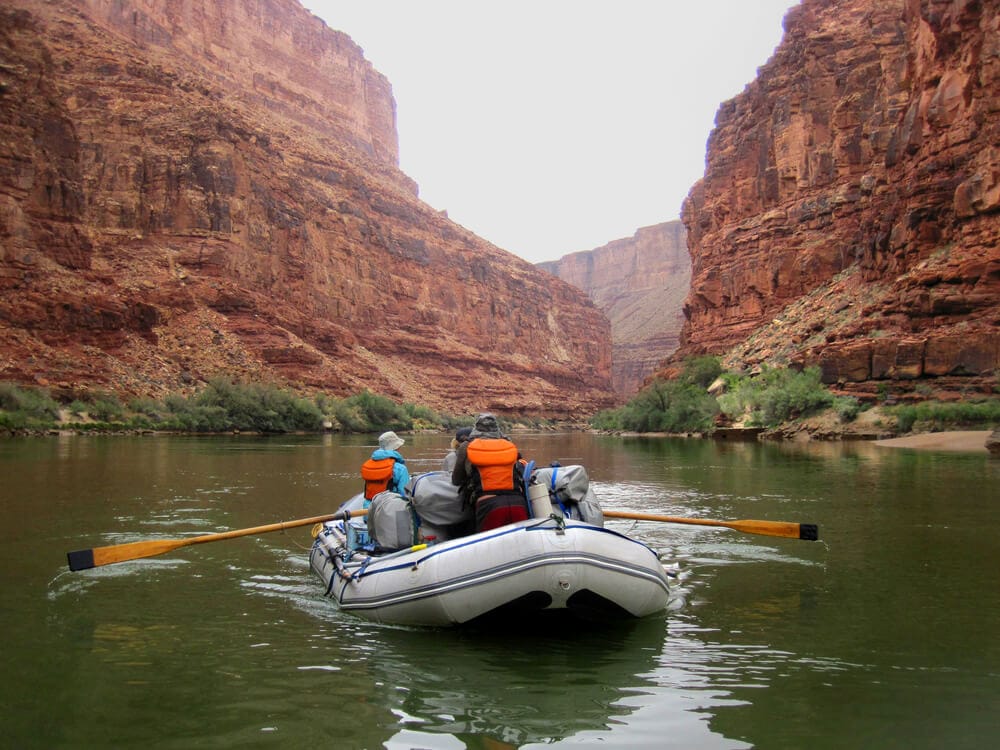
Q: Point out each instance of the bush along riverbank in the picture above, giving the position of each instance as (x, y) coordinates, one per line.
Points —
(221, 406)
(226, 407)
(775, 403)
(782, 404)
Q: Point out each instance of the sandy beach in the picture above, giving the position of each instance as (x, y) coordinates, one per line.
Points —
(965, 441)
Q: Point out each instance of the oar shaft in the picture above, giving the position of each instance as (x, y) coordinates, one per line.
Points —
(807, 531)
(92, 558)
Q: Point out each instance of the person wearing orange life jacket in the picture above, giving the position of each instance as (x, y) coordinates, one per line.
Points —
(489, 475)
(386, 469)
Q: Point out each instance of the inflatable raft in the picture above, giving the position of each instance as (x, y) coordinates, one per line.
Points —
(529, 567)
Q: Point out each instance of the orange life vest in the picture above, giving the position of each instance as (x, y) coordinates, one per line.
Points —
(377, 474)
(494, 459)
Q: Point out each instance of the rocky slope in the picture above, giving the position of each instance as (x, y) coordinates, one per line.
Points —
(212, 188)
(849, 215)
(639, 282)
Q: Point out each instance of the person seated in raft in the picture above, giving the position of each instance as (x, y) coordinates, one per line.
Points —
(489, 475)
(386, 469)
(461, 436)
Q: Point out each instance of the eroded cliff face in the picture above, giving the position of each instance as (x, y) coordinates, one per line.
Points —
(640, 283)
(850, 211)
(210, 188)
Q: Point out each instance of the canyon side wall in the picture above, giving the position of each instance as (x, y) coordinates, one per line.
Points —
(211, 188)
(640, 283)
(849, 215)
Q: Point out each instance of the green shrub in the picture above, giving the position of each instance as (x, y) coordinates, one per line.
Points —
(663, 406)
(776, 395)
(24, 408)
(148, 413)
(608, 419)
(106, 407)
(370, 412)
(421, 417)
(701, 371)
(33, 403)
(847, 408)
(14, 420)
(936, 415)
(250, 407)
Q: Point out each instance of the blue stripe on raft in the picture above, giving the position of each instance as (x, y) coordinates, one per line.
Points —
(499, 572)
(537, 527)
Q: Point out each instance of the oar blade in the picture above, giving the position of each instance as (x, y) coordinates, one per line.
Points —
(81, 559)
(85, 559)
(806, 531)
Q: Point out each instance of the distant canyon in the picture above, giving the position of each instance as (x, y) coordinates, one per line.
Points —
(640, 283)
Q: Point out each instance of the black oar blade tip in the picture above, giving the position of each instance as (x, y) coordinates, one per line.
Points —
(809, 532)
(82, 559)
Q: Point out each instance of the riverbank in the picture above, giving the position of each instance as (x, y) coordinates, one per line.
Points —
(962, 441)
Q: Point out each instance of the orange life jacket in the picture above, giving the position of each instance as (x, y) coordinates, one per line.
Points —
(377, 474)
(494, 459)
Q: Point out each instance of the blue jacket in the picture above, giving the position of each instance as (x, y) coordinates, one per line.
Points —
(400, 474)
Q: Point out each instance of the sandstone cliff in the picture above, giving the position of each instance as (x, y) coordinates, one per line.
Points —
(211, 187)
(639, 282)
(849, 215)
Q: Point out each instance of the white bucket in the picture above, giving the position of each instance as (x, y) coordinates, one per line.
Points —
(538, 496)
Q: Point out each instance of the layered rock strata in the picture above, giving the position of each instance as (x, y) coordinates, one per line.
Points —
(849, 215)
(640, 283)
(211, 188)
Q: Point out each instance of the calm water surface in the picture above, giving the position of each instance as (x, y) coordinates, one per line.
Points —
(886, 634)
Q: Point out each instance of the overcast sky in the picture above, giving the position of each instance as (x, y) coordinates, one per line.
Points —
(552, 126)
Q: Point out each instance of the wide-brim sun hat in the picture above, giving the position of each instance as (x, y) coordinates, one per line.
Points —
(390, 441)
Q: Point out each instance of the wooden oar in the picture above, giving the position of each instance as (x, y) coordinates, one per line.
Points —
(115, 553)
(807, 531)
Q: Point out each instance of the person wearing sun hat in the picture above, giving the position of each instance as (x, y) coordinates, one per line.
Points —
(386, 469)
(390, 441)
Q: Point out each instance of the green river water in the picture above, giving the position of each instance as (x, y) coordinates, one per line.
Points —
(884, 634)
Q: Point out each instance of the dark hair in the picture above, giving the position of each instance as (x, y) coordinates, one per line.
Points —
(463, 434)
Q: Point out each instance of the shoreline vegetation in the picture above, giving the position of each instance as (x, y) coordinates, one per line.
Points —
(790, 404)
(224, 407)
(700, 401)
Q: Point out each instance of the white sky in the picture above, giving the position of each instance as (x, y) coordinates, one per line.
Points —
(552, 126)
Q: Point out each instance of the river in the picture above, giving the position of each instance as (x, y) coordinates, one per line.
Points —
(883, 634)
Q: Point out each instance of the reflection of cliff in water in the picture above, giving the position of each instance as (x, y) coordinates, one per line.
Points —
(519, 685)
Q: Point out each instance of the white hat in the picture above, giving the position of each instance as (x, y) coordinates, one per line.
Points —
(390, 441)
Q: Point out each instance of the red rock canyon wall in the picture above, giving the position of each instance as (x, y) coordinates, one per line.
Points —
(849, 215)
(210, 187)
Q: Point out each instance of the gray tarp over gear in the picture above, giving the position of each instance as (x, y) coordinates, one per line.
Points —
(436, 499)
(392, 522)
(569, 487)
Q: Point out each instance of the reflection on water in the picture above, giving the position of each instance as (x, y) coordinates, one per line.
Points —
(881, 635)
